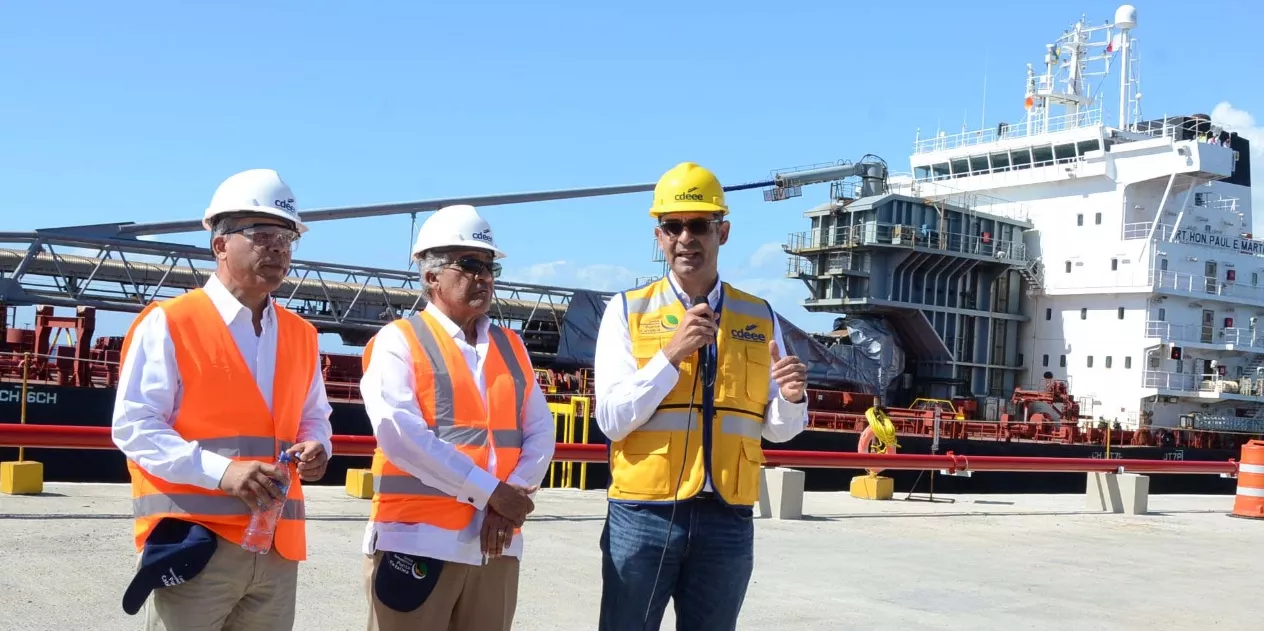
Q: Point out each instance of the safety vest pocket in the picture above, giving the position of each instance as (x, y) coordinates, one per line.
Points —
(758, 376)
(643, 465)
(749, 463)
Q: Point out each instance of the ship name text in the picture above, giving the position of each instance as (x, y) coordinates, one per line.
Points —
(1224, 242)
(33, 397)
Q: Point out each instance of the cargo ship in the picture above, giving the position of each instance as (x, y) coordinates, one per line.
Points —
(1061, 286)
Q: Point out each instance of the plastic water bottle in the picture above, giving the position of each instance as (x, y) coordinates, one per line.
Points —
(263, 519)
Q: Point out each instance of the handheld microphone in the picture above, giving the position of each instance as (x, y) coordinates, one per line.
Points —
(704, 356)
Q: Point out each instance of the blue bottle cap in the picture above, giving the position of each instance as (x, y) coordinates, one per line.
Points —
(285, 458)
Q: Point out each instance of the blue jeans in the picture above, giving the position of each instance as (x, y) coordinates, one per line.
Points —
(705, 570)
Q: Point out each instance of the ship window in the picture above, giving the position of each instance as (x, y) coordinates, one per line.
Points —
(1062, 361)
(1079, 219)
(1098, 219)
(1087, 146)
(1084, 313)
(1162, 314)
(1042, 156)
(1163, 264)
(1000, 162)
(1068, 267)
(1255, 279)
(1021, 157)
(1121, 313)
(1108, 362)
(1114, 265)
(922, 172)
(1044, 361)
(1048, 314)
(1090, 361)
(1065, 153)
(1127, 363)
(978, 164)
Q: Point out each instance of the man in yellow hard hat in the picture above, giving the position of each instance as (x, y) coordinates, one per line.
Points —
(690, 375)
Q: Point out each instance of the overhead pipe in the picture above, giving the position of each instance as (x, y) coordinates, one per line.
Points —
(78, 437)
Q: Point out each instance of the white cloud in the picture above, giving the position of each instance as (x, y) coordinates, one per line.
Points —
(596, 276)
(1242, 122)
(768, 254)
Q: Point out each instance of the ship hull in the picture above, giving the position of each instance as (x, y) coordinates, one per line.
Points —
(54, 405)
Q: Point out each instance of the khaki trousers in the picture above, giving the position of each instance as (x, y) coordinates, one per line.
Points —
(237, 591)
(466, 598)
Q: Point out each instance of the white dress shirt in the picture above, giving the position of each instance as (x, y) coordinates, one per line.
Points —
(405, 437)
(627, 396)
(149, 393)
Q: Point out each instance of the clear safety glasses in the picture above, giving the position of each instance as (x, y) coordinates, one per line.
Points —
(269, 236)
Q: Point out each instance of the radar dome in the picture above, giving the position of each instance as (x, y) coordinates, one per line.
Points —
(1126, 16)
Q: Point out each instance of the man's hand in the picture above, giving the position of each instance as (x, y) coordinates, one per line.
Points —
(256, 483)
(497, 534)
(312, 459)
(697, 330)
(511, 501)
(789, 373)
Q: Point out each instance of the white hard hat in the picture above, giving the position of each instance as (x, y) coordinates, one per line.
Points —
(256, 191)
(456, 227)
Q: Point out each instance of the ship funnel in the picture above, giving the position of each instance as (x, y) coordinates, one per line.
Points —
(1126, 16)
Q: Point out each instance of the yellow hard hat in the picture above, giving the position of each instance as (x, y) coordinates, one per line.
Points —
(688, 188)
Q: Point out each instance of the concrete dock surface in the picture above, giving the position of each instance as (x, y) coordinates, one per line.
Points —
(982, 562)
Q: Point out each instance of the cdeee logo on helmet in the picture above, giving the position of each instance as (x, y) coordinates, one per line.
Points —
(483, 235)
(285, 204)
(690, 196)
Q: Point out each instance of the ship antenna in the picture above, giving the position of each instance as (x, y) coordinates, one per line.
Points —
(1125, 20)
(983, 115)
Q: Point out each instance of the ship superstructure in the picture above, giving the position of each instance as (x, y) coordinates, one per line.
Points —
(1141, 280)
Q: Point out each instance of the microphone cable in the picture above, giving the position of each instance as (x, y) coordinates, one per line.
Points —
(671, 522)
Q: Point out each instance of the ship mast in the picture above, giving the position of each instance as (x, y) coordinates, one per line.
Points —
(1067, 72)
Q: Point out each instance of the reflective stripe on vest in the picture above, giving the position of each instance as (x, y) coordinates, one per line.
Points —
(222, 410)
(646, 464)
(456, 413)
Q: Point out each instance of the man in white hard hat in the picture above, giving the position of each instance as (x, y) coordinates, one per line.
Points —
(214, 385)
(464, 438)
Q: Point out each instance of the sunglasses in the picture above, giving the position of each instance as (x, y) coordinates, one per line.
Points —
(268, 235)
(476, 266)
(697, 227)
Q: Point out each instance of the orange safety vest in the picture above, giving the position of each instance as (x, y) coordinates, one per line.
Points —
(454, 410)
(223, 410)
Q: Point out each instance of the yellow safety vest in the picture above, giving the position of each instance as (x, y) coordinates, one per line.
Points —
(647, 463)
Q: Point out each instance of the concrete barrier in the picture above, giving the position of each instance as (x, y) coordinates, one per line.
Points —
(781, 493)
(1127, 493)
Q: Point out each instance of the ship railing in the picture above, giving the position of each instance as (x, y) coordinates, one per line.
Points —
(934, 191)
(1204, 334)
(57, 368)
(797, 266)
(1065, 122)
(1141, 230)
(1187, 128)
(1192, 382)
(1200, 284)
(877, 233)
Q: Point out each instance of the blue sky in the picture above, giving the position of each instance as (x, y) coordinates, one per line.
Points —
(136, 111)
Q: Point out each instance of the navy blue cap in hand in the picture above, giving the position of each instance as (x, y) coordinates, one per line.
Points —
(403, 581)
(175, 552)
